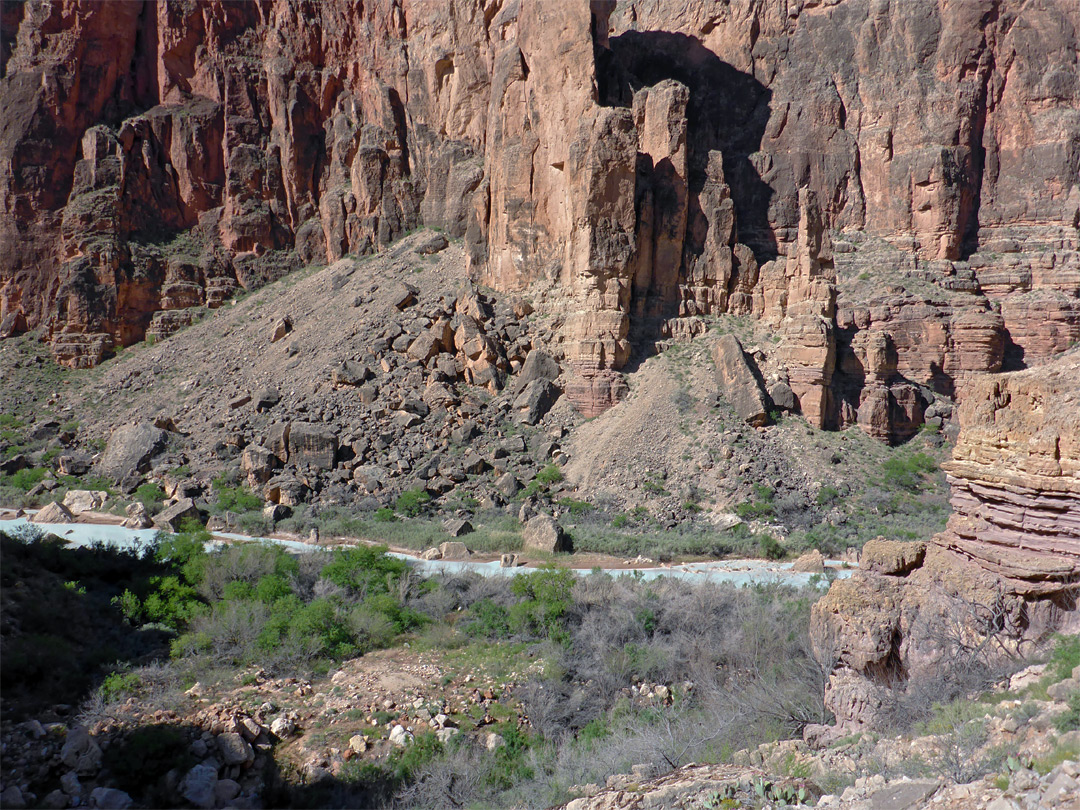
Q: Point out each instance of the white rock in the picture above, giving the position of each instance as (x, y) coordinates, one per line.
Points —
(399, 736)
(283, 727)
(358, 743)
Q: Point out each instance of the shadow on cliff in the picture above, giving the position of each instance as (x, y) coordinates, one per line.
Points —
(728, 110)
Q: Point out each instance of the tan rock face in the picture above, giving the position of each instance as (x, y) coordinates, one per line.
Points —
(1008, 563)
(645, 165)
(1015, 474)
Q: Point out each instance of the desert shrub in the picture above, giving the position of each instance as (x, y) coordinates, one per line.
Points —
(412, 502)
(770, 547)
(151, 496)
(488, 619)
(908, 471)
(545, 599)
(1069, 720)
(551, 474)
(364, 570)
(118, 685)
(26, 479)
(1064, 658)
(236, 498)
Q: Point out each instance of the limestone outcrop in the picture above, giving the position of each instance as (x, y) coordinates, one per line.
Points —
(1004, 574)
(637, 168)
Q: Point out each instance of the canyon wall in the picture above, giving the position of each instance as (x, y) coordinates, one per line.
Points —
(638, 166)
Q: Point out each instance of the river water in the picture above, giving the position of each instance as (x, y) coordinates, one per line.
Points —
(739, 572)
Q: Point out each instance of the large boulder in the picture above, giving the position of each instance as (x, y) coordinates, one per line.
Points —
(172, 517)
(85, 500)
(259, 464)
(198, 785)
(312, 444)
(80, 752)
(739, 382)
(538, 365)
(543, 533)
(535, 400)
(234, 749)
(130, 449)
(53, 513)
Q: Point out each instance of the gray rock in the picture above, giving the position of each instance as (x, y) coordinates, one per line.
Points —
(399, 736)
(130, 449)
(81, 752)
(538, 365)
(458, 527)
(904, 795)
(74, 463)
(171, 517)
(403, 296)
(56, 800)
(350, 373)
(198, 785)
(235, 750)
(432, 243)
(70, 783)
(14, 464)
(507, 485)
(225, 791)
(509, 561)
(535, 400)
(110, 799)
(283, 728)
(543, 533)
(266, 398)
(738, 381)
(12, 797)
(782, 396)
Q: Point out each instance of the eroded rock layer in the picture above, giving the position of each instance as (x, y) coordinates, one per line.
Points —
(1004, 574)
(639, 166)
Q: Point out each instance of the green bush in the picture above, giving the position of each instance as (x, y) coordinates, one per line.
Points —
(1065, 657)
(546, 596)
(385, 514)
(551, 474)
(151, 496)
(406, 762)
(118, 685)
(908, 472)
(488, 620)
(367, 570)
(1069, 720)
(412, 502)
(235, 498)
(26, 479)
(770, 548)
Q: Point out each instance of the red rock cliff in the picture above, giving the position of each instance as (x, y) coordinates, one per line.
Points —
(650, 163)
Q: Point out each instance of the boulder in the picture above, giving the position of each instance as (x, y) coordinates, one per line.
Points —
(431, 243)
(280, 329)
(312, 444)
(403, 296)
(350, 373)
(74, 464)
(739, 381)
(85, 500)
(507, 485)
(198, 786)
(171, 517)
(14, 464)
(458, 527)
(266, 398)
(399, 736)
(812, 562)
(286, 490)
(453, 551)
(130, 449)
(110, 799)
(892, 557)
(259, 464)
(137, 517)
(225, 791)
(534, 400)
(81, 752)
(53, 513)
(234, 749)
(543, 533)
(283, 728)
(538, 365)
(782, 396)
(509, 561)
(358, 743)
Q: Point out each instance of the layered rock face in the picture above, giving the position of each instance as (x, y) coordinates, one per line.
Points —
(1004, 574)
(644, 166)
